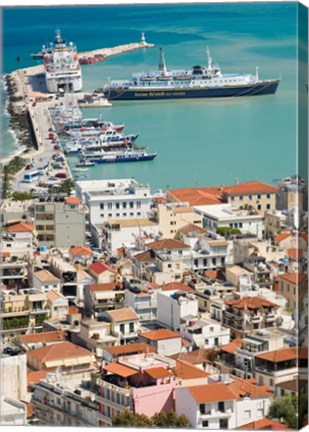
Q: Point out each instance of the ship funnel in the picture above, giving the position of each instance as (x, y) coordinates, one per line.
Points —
(162, 65)
(257, 73)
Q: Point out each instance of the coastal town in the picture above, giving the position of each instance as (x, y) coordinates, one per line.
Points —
(122, 306)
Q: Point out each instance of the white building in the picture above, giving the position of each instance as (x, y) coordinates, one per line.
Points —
(173, 306)
(12, 412)
(62, 69)
(166, 342)
(13, 372)
(144, 303)
(114, 199)
(227, 215)
(205, 333)
(45, 281)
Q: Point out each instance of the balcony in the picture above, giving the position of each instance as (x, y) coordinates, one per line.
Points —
(216, 413)
(256, 318)
(113, 388)
(145, 305)
(270, 318)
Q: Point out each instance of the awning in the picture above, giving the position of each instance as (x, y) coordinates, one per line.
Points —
(120, 370)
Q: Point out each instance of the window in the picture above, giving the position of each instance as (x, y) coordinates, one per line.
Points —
(259, 207)
(124, 205)
(247, 414)
(117, 205)
(110, 215)
(195, 263)
(110, 206)
(131, 327)
(205, 423)
(268, 196)
(232, 198)
(121, 328)
(271, 382)
(221, 407)
(211, 329)
(206, 341)
(131, 214)
(138, 204)
(250, 197)
(102, 206)
(131, 204)
(102, 215)
(260, 413)
(117, 214)
(259, 196)
(240, 224)
(138, 213)
(241, 197)
(202, 408)
(124, 214)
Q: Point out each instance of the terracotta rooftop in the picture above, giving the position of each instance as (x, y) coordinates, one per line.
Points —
(194, 357)
(146, 256)
(179, 286)
(80, 251)
(58, 351)
(158, 372)
(198, 196)
(242, 388)
(124, 314)
(54, 295)
(284, 354)
(296, 254)
(72, 200)
(214, 274)
(103, 286)
(280, 237)
(35, 377)
(167, 244)
(121, 370)
(20, 227)
(5, 254)
(251, 187)
(294, 278)
(133, 348)
(99, 268)
(44, 337)
(182, 209)
(293, 385)
(250, 303)
(192, 228)
(264, 424)
(211, 393)
(186, 370)
(161, 334)
(45, 276)
(232, 346)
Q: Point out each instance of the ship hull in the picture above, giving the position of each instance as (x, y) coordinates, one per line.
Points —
(263, 88)
(123, 159)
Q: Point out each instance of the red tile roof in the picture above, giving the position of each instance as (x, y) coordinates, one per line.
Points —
(264, 424)
(211, 393)
(232, 346)
(145, 256)
(99, 268)
(58, 351)
(214, 274)
(280, 237)
(44, 337)
(124, 314)
(293, 278)
(72, 200)
(5, 254)
(284, 354)
(134, 348)
(20, 227)
(192, 228)
(158, 372)
(194, 357)
(250, 303)
(295, 254)
(167, 244)
(186, 370)
(179, 286)
(242, 388)
(35, 377)
(198, 196)
(80, 251)
(161, 334)
(103, 286)
(121, 370)
(251, 187)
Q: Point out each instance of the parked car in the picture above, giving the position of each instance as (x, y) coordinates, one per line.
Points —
(61, 175)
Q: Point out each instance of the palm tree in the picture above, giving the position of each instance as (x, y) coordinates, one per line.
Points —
(67, 186)
(7, 177)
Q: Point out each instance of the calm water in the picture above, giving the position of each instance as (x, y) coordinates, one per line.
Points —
(199, 142)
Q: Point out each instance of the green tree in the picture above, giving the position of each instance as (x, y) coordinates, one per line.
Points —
(283, 409)
(169, 420)
(127, 418)
(21, 196)
(67, 186)
(226, 231)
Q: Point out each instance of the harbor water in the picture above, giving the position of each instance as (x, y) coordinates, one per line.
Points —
(199, 142)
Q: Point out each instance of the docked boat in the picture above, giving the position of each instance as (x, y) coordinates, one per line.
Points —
(198, 82)
(120, 156)
(84, 163)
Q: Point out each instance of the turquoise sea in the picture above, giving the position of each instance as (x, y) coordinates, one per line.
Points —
(199, 142)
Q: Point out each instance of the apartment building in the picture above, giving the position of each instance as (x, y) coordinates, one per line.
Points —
(172, 217)
(165, 342)
(203, 333)
(101, 297)
(114, 199)
(293, 286)
(60, 222)
(19, 239)
(12, 412)
(45, 281)
(143, 301)
(173, 306)
(13, 364)
(124, 324)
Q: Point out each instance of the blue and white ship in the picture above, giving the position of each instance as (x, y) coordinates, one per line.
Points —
(197, 82)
